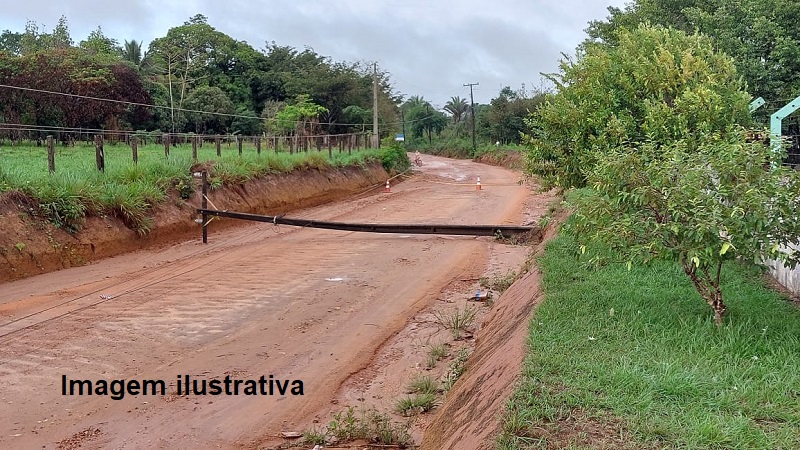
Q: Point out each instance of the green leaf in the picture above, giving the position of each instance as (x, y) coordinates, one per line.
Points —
(724, 248)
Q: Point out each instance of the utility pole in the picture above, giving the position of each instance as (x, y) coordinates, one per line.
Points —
(472, 107)
(376, 142)
(403, 118)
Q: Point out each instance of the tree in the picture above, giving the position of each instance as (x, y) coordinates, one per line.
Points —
(763, 36)
(99, 44)
(356, 117)
(457, 107)
(423, 118)
(504, 119)
(132, 52)
(10, 42)
(301, 117)
(216, 109)
(653, 126)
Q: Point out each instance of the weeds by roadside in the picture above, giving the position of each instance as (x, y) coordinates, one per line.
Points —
(416, 404)
(499, 283)
(457, 368)
(367, 424)
(423, 384)
(457, 321)
(435, 353)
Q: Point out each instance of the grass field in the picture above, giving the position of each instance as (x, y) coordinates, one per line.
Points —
(633, 360)
(127, 191)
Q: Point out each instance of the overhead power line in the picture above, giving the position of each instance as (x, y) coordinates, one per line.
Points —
(147, 105)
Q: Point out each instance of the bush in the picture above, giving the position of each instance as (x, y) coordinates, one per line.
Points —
(395, 158)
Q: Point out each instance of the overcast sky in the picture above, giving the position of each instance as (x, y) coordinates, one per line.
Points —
(430, 47)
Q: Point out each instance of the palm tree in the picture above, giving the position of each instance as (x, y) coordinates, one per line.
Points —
(457, 107)
(132, 52)
(413, 102)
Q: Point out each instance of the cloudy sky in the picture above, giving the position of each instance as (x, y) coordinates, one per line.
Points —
(430, 47)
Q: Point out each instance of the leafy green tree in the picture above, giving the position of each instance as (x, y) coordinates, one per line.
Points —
(216, 110)
(504, 119)
(301, 117)
(356, 117)
(423, 119)
(11, 42)
(653, 126)
(99, 44)
(654, 85)
(763, 36)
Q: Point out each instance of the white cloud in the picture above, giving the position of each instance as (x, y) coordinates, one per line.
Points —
(430, 47)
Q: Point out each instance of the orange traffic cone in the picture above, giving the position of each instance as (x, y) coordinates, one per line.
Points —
(478, 184)
(387, 188)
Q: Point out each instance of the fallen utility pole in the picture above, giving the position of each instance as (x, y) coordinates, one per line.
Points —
(505, 231)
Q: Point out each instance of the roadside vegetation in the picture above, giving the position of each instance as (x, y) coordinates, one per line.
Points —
(672, 203)
(129, 191)
(622, 358)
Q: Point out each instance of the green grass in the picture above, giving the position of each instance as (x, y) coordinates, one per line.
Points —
(435, 353)
(657, 372)
(457, 321)
(415, 404)
(128, 191)
(423, 384)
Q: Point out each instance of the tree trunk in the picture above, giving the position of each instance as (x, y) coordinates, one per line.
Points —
(708, 288)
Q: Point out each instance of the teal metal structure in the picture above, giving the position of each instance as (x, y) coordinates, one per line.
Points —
(776, 123)
(757, 103)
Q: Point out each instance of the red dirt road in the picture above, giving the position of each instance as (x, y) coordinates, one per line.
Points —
(299, 304)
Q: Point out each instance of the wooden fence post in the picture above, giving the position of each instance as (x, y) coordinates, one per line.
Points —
(100, 157)
(194, 148)
(239, 143)
(51, 155)
(165, 138)
(219, 145)
(328, 142)
(135, 149)
(258, 144)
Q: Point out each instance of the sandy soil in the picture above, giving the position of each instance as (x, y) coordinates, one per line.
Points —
(300, 304)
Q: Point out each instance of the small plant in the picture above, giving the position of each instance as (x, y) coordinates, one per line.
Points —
(345, 426)
(369, 425)
(457, 368)
(185, 187)
(416, 404)
(314, 437)
(499, 283)
(458, 321)
(382, 430)
(435, 353)
(423, 384)
(20, 246)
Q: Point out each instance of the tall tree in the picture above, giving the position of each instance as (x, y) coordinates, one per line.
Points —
(97, 43)
(457, 107)
(763, 36)
(652, 125)
(11, 42)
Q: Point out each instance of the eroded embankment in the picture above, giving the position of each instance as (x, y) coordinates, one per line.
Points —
(470, 417)
(31, 246)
